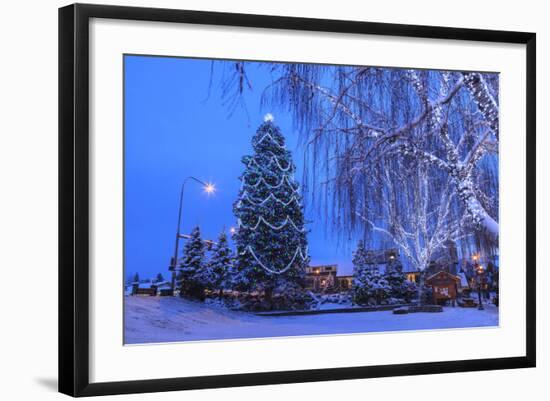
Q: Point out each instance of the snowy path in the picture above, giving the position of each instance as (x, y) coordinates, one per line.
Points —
(167, 319)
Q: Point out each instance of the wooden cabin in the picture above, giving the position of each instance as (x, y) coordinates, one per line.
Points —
(444, 287)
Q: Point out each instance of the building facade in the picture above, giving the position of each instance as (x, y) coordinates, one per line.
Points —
(325, 278)
(321, 278)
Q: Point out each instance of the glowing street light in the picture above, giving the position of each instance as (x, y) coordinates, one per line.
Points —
(209, 188)
(232, 230)
(480, 283)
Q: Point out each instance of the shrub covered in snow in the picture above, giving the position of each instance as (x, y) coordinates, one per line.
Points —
(342, 298)
(427, 295)
(370, 288)
(409, 291)
(289, 300)
(401, 311)
(394, 301)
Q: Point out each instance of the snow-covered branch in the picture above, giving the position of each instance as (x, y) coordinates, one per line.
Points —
(412, 143)
(485, 101)
(337, 103)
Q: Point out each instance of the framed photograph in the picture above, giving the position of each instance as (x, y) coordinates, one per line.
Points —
(250, 199)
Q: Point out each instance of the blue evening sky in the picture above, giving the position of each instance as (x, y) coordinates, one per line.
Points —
(175, 127)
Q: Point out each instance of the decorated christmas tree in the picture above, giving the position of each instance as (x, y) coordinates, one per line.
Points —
(270, 239)
(191, 280)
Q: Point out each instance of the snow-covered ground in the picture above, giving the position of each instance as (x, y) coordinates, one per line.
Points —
(169, 319)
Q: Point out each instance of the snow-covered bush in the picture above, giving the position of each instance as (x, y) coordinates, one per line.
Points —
(394, 301)
(225, 301)
(342, 298)
(372, 288)
(409, 291)
(281, 301)
(427, 295)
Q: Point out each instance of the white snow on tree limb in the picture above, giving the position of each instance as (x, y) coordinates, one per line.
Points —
(485, 101)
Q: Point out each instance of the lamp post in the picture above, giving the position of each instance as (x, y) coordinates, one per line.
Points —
(479, 271)
(208, 188)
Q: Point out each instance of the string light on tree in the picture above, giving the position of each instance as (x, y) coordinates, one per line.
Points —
(270, 236)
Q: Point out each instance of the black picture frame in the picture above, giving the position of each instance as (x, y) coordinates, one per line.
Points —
(74, 198)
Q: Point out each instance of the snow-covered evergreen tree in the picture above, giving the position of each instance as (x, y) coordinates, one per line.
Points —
(270, 238)
(396, 280)
(370, 286)
(367, 284)
(136, 278)
(360, 258)
(217, 274)
(191, 274)
(159, 278)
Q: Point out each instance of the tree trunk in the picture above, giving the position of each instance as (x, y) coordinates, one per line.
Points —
(420, 288)
(268, 294)
(474, 207)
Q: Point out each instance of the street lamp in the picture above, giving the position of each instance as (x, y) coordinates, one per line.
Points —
(479, 284)
(209, 188)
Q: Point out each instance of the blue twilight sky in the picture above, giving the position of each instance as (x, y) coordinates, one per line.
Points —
(175, 126)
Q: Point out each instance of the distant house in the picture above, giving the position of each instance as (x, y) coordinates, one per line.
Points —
(148, 287)
(344, 282)
(325, 278)
(379, 261)
(321, 278)
(444, 260)
(128, 287)
(412, 275)
(164, 288)
(444, 287)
